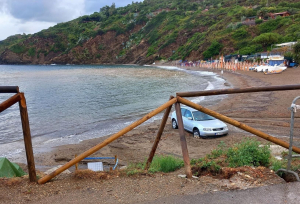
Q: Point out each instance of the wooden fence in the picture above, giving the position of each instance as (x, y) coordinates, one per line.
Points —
(19, 97)
(167, 107)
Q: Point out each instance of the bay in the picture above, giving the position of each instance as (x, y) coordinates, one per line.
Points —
(68, 104)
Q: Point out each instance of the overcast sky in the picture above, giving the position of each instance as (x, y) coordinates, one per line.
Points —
(31, 16)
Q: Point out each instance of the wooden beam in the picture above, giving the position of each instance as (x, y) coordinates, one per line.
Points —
(9, 89)
(9, 102)
(184, 148)
(242, 90)
(27, 138)
(158, 136)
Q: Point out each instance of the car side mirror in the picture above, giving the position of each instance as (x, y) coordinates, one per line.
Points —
(190, 118)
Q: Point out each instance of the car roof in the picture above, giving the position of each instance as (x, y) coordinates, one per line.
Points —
(189, 108)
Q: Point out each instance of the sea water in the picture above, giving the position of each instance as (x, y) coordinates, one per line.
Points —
(70, 103)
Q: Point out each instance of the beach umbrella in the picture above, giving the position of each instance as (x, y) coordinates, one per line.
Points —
(9, 169)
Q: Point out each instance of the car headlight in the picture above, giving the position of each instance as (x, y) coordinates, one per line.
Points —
(225, 128)
(207, 129)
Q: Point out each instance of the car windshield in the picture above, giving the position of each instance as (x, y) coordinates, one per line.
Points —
(199, 116)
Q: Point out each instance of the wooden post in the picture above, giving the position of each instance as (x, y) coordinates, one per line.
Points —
(184, 148)
(27, 138)
(107, 141)
(238, 124)
(76, 165)
(9, 102)
(158, 136)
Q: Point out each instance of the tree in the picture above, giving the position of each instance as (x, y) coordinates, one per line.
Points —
(267, 39)
(213, 50)
(296, 51)
(262, 13)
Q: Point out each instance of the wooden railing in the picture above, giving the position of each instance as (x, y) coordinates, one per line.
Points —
(19, 97)
(167, 107)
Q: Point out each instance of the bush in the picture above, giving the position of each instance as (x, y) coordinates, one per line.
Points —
(251, 49)
(240, 34)
(31, 52)
(277, 164)
(270, 25)
(18, 49)
(213, 50)
(258, 21)
(248, 153)
(266, 39)
(151, 51)
(165, 164)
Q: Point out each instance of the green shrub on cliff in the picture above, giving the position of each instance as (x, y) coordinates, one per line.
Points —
(18, 48)
(31, 51)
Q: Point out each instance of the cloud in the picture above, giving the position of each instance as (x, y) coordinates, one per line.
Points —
(45, 10)
(31, 16)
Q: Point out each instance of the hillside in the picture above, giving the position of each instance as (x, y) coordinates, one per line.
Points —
(143, 32)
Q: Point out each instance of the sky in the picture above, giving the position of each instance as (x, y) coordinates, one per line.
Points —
(31, 16)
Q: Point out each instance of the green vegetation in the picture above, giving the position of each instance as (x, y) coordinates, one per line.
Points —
(165, 164)
(296, 52)
(159, 164)
(248, 153)
(17, 48)
(170, 29)
(213, 50)
(31, 51)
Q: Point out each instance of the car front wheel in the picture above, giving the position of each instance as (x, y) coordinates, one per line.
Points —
(174, 124)
(196, 133)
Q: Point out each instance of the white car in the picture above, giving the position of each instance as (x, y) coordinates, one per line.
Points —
(200, 124)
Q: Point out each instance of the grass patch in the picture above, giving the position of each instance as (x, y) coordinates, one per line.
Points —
(165, 164)
(159, 164)
(248, 153)
(277, 164)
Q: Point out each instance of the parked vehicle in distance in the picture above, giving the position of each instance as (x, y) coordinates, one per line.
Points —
(268, 68)
(200, 124)
(253, 68)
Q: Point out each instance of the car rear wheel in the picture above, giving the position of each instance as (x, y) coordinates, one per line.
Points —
(196, 133)
(174, 124)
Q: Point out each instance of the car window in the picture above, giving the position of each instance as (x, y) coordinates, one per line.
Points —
(183, 111)
(199, 116)
(187, 114)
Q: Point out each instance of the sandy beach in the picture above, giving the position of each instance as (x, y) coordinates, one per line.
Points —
(266, 111)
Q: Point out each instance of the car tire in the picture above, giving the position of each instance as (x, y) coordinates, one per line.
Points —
(174, 124)
(196, 133)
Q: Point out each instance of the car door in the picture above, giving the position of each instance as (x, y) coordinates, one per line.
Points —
(188, 120)
(183, 110)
